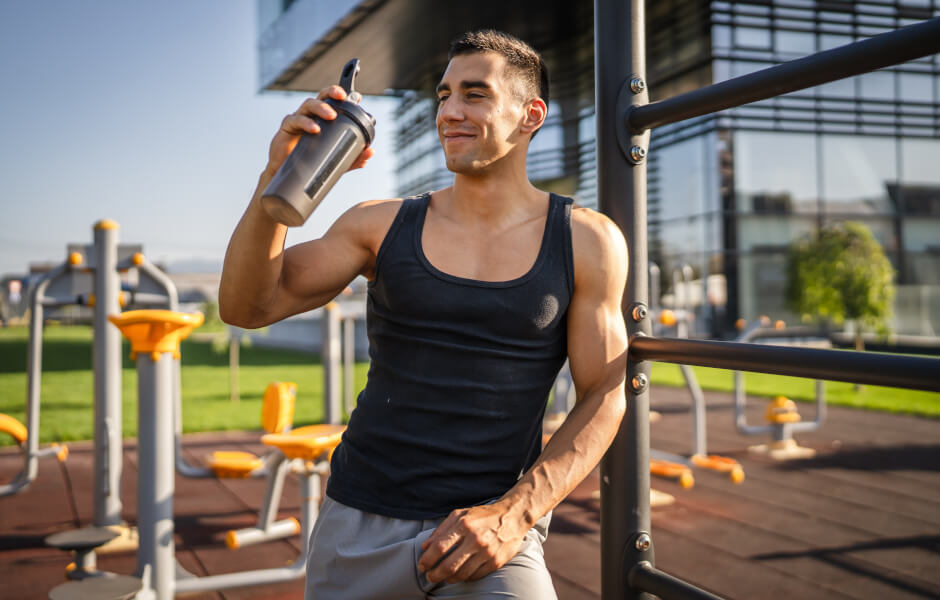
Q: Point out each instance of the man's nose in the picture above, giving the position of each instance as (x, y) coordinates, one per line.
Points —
(449, 110)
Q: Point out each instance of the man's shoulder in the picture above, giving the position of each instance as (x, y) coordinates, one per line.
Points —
(594, 231)
(371, 215)
(600, 251)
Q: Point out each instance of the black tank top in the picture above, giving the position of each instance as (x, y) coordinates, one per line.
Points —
(461, 369)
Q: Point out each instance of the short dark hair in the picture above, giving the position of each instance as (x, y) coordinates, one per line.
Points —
(520, 57)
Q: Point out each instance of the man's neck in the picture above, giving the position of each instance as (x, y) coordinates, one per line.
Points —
(497, 199)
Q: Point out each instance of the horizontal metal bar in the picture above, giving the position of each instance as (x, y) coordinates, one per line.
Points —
(894, 47)
(874, 368)
(644, 576)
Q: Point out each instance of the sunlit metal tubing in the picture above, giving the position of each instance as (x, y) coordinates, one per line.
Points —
(891, 48)
(874, 368)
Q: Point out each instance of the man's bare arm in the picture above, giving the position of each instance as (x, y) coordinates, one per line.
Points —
(481, 539)
(261, 282)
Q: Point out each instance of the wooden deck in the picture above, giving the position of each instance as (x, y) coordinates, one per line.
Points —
(861, 520)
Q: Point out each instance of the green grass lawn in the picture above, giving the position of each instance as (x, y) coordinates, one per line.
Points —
(67, 387)
(798, 389)
(67, 396)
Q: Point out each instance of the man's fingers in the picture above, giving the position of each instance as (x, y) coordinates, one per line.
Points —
(361, 162)
(313, 107)
(475, 561)
(436, 549)
(485, 568)
(297, 123)
(449, 568)
(441, 541)
(334, 91)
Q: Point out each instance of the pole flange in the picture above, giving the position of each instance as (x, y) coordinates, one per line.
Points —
(633, 144)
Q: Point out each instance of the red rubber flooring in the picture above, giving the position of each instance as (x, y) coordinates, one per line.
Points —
(861, 520)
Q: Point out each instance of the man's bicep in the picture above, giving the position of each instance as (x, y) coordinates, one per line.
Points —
(314, 272)
(597, 338)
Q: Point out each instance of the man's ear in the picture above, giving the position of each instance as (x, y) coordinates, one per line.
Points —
(534, 116)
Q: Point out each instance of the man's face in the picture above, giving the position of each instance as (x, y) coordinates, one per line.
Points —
(478, 114)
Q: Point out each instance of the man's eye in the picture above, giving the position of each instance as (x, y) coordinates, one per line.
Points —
(440, 99)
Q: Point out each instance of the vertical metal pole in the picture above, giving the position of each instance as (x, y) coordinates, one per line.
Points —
(349, 362)
(619, 57)
(34, 379)
(107, 374)
(330, 357)
(155, 483)
(234, 346)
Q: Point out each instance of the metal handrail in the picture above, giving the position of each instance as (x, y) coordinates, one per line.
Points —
(624, 117)
(884, 50)
(875, 368)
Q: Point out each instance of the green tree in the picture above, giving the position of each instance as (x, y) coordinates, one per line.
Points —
(841, 274)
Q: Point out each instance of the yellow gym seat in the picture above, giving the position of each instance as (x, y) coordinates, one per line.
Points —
(277, 415)
(308, 443)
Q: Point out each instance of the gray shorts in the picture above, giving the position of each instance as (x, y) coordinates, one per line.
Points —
(361, 556)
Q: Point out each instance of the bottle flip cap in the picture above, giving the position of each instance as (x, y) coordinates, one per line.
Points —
(347, 80)
(349, 106)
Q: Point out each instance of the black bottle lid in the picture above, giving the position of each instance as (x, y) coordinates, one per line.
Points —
(356, 113)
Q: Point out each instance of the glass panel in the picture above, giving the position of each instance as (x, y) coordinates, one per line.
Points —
(827, 41)
(684, 236)
(878, 85)
(775, 172)
(762, 281)
(841, 88)
(683, 188)
(921, 235)
(921, 180)
(763, 233)
(721, 70)
(881, 227)
(742, 67)
(751, 37)
(916, 87)
(794, 42)
(856, 173)
(721, 36)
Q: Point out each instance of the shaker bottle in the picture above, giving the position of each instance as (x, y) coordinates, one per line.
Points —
(319, 160)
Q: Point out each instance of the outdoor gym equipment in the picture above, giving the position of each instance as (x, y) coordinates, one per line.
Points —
(666, 464)
(91, 276)
(155, 336)
(277, 414)
(783, 419)
(31, 453)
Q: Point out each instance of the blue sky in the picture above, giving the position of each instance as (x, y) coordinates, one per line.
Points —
(147, 113)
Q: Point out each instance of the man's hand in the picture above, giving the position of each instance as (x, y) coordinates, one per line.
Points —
(471, 543)
(302, 121)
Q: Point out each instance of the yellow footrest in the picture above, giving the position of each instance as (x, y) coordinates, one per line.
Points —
(233, 464)
(307, 443)
(10, 425)
(721, 464)
(671, 470)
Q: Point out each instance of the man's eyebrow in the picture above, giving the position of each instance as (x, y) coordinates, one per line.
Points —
(467, 84)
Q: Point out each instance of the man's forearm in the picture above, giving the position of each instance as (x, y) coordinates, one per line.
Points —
(252, 266)
(573, 451)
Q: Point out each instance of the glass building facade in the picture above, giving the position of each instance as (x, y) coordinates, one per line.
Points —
(728, 193)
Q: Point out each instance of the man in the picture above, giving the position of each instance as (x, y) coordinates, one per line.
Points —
(477, 294)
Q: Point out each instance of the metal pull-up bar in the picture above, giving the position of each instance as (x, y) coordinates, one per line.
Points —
(884, 50)
(624, 117)
(874, 368)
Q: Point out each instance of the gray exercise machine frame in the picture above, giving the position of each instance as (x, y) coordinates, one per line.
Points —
(156, 560)
(783, 431)
(624, 117)
(104, 259)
